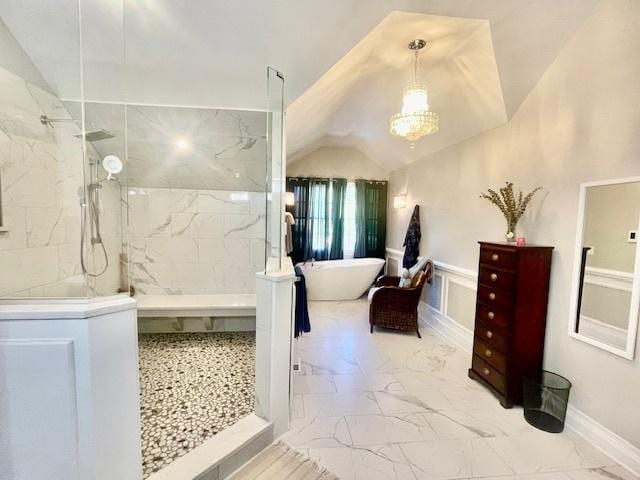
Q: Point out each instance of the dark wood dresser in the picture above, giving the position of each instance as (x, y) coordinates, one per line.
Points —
(511, 313)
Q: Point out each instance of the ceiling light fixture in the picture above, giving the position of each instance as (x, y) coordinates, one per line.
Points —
(182, 144)
(415, 120)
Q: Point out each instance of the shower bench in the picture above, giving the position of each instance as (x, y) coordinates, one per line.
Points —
(229, 308)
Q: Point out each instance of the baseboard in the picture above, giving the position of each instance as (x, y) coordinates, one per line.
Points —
(596, 434)
(604, 440)
(453, 331)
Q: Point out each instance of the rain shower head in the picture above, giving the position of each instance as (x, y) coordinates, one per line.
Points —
(89, 136)
(95, 135)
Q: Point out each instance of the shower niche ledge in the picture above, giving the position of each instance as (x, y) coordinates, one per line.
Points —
(69, 370)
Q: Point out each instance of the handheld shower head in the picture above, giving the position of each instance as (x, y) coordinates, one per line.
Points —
(112, 165)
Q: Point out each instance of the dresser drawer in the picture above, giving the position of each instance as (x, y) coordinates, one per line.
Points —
(498, 258)
(491, 355)
(494, 298)
(494, 316)
(500, 279)
(491, 335)
(490, 374)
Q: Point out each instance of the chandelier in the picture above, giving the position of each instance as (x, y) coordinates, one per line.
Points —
(415, 120)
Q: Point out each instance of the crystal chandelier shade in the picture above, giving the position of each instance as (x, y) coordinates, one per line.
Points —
(415, 120)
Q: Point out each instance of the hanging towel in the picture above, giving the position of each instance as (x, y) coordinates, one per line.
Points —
(302, 323)
(412, 240)
(288, 234)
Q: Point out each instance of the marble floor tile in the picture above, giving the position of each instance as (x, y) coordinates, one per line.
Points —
(467, 398)
(366, 382)
(336, 366)
(393, 406)
(537, 452)
(313, 384)
(358, 463)
(604, 473)
(386, 429)
(459, 424)
(392, 402)
(449, 459)
(297, 407)
(318, 432)
(329, 405)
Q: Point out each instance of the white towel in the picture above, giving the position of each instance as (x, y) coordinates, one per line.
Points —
(288, 235)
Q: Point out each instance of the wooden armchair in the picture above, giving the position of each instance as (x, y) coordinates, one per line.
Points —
(396, 307)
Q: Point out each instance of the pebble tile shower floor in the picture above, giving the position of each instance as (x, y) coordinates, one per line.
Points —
(192, 386)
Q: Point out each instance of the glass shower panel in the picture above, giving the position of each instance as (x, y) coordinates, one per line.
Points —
(275, 178)
(104, 257)
(41, 150)
(196, 196)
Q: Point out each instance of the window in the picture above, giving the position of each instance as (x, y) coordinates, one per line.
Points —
(321, 215)
(349, 220)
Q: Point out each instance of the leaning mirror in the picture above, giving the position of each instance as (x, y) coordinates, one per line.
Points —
(606, 288)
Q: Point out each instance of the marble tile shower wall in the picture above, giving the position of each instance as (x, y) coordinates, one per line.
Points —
(41, 175)
(187, 241)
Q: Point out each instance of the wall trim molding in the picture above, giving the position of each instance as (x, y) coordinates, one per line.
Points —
(462, 272)
(613, 279)
(603, 439)
(610, 334)
(429, 317)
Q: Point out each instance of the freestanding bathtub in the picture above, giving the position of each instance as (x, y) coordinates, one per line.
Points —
(340, 279)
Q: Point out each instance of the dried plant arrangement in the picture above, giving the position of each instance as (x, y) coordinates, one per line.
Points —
(511, 208)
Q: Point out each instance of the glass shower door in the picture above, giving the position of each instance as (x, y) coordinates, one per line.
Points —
(275, 175)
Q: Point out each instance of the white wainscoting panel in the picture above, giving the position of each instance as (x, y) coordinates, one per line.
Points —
(41, 374)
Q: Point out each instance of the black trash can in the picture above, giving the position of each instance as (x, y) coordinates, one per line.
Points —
(545, 401)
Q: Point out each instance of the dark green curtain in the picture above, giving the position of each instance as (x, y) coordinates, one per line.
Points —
(371, 198)
(339, 189)
(300, 189)
(360, 249)
(319, 213)
(318, 220)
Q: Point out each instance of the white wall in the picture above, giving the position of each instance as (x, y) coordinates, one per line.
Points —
(195, 241)
(611, 211)
(580, 123)
(16, 60)
(337, 162)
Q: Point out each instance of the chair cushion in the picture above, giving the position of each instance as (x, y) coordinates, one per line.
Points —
(406, 280)
(372, 290)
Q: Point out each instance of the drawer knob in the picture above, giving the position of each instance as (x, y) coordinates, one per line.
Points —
(492, 296)
(486, 371)
(489, 334)
(494, 276)
(495, 257)
(491, 315)
(487, 352)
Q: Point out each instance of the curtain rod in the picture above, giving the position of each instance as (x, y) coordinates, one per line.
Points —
(306, 179)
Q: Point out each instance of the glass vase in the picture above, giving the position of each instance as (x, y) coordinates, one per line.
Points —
(510, 236)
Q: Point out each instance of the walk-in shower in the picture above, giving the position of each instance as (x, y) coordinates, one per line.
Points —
(162, 200)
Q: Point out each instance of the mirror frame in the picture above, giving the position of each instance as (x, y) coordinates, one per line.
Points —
(634, 310)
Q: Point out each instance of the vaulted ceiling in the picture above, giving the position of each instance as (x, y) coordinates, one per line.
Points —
(345, 61)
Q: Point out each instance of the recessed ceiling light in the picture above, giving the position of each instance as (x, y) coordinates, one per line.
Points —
(237, 174)
(182, 144)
